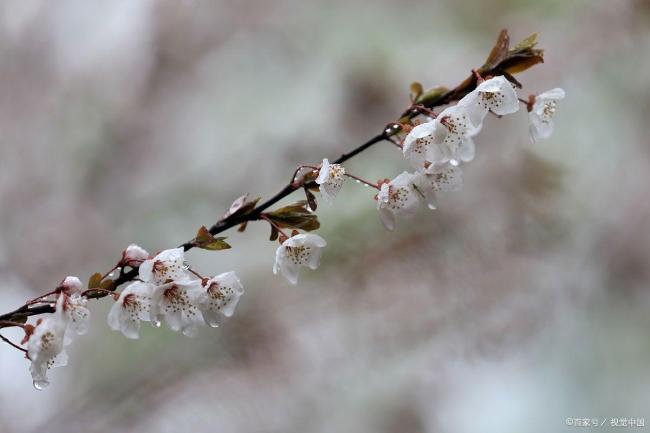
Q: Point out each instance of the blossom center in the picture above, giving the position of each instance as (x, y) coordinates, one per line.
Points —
(548, 111)
(299, 254)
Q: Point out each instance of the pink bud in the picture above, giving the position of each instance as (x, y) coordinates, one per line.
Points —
(134, 255)
(71, 285)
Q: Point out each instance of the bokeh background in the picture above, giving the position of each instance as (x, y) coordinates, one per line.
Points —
(521, 302)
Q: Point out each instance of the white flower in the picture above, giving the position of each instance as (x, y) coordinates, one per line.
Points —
(298, 250)
(440, 179)
(77, 313)
(176, 304)
(330, 178)
(71, 285)
(134, 255)
(132, 307)
(219, 296)
(45, 346)
(165, 267)
(496, 94)
(541, 113)
(453, 133)
(420, 147)
(398, 197)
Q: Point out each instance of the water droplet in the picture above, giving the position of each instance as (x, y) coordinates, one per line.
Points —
(41, 384)
(156, 323)
(213, 324)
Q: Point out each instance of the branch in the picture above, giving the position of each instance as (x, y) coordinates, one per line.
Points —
(501, 61)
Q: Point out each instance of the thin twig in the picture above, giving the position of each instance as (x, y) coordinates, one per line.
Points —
(11, 343)
(11, 324)
(363, 181)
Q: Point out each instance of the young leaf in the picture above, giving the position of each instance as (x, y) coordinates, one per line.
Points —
(241, 206)
(527, 43)
(311, 199)
(107, 284)
(431, 95)
(274, 234)
(295, 216)
(206, 241)
(499, 51)
(522, 56)
(95, 281)
(416, 90)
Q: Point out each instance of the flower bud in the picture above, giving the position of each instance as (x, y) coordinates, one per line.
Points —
(133, 255)
(71, 285)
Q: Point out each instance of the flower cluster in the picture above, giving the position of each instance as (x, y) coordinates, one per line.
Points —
(165, 291)
(46, 340)
(435, 149)
(164, 288)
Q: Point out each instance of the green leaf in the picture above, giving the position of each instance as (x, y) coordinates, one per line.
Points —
(295, 216)
(107, 284)
(522, 56)
(95, 281)
(431, 95)
(206, 241)
(526, 44)
(416, 90)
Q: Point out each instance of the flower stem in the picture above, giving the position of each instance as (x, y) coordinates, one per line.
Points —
(195, 273)
(363, 181)
(274, 225)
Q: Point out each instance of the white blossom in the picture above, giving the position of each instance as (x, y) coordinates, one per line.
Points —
(397, 197)
(330, 178)
(132, 307)
(542, 112)
(419, 146)
(175, 303)
(134, 255)
(77, 312)
(165, 267)
(218, 296)
(299, 250)
(453, 134)
(45, 345)
(496, 95)
(439, 179)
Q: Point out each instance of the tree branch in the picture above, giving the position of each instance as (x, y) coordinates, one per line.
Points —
(501, 61)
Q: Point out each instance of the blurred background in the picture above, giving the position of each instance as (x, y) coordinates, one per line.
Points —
(521, 302)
